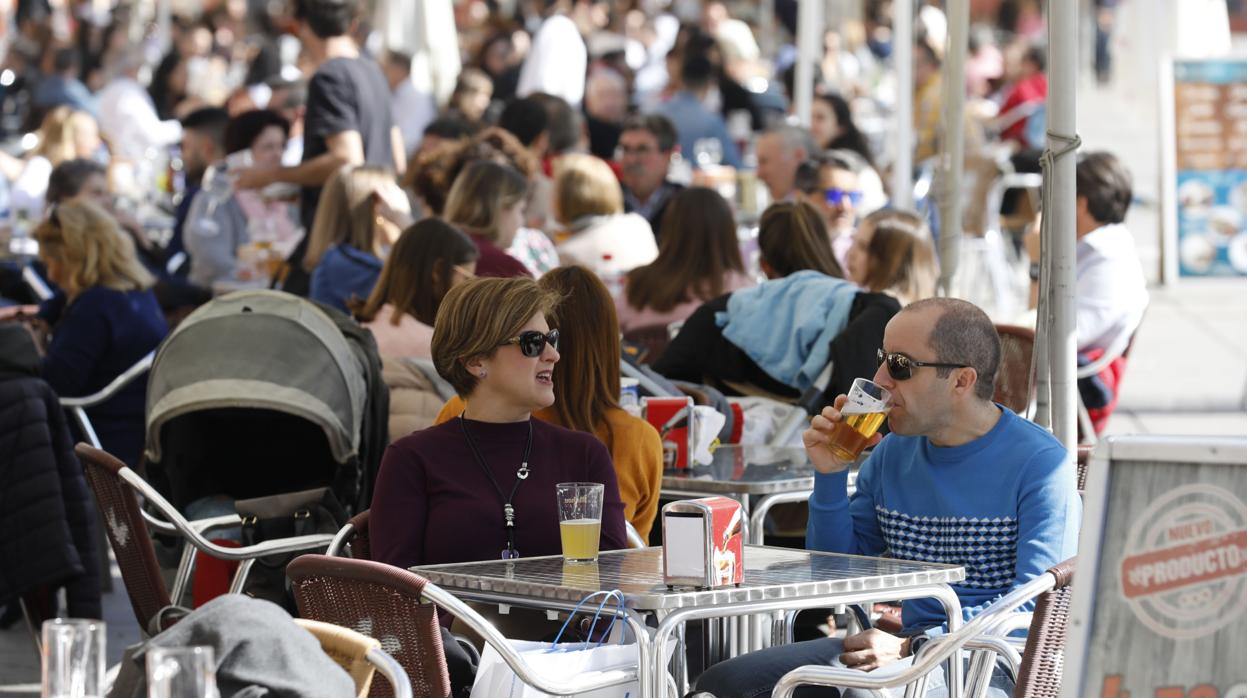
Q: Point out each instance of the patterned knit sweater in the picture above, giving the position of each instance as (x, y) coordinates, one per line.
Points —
(1004, 506)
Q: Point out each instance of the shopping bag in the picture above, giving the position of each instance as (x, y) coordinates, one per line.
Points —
(562, 661)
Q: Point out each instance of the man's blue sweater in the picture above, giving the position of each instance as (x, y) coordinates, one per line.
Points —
(1004, 506)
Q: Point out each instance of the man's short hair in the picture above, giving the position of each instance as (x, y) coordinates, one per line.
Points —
(398, 59)
(525, 118)
(793, 137)
(807, 177)
(1107, 185)
(326, 18)
(563, 123)
(697, 71)
(69, 177)
(963, 334)
(208, 121)
(657, 125)
(448, 128)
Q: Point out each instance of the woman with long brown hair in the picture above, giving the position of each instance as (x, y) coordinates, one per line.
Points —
(792, 237)
(698, 259)
(429, 259)
(586, 390)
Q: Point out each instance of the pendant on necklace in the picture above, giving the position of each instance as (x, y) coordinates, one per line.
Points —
(522, 473)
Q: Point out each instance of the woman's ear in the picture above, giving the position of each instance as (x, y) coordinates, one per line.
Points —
(475, 365)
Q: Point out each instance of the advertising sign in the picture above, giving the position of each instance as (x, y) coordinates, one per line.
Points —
(1160, 591)
(1207, 173)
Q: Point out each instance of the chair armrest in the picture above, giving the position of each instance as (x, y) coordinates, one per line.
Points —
(924, 662)
(391, 670)
(634, 537)
(138, 369)
(1096, 366)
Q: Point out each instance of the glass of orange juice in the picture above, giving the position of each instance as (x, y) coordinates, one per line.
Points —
(580, 520)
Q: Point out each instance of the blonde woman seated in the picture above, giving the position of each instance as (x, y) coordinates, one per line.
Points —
(892, 253)
(352, 233)
(598, 235)
(111, 319)
(698, 259)
(481, 486)
(586, 390)
(487, 201)
(430, 258)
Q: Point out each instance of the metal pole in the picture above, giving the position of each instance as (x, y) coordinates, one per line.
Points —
(953, 158)
(903, 59)
(809, 45)
(1062, 129)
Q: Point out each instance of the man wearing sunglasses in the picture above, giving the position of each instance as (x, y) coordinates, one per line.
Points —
(960, 480)
(829, 182)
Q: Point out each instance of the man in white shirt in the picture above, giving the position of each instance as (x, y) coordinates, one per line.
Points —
(127, 115)
(558, 59)
(1110, 291)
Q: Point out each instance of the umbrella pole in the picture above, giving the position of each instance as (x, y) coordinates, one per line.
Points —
(1059, 217)
(903, 57)
(809, 50)
(954, 141)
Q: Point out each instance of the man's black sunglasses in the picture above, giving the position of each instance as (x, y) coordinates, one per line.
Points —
(901, 367)
(532, 342)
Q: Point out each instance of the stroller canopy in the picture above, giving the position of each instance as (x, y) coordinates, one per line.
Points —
(261, 350)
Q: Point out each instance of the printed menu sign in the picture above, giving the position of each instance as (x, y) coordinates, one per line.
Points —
(1210, 147)
(1168, 618)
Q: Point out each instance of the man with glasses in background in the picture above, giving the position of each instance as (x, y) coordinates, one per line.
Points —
(960, 480)
(828, 181)
(646, 145)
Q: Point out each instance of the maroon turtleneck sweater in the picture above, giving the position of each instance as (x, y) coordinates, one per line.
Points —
(434, 504)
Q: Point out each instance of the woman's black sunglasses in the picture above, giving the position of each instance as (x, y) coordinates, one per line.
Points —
(532, 342)
(901, 367)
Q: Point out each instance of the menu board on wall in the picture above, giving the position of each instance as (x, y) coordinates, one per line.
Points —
(1210, 142)
(1160, 591)
(1209, 152)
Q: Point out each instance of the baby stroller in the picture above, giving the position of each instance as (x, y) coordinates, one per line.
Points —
(260, 393)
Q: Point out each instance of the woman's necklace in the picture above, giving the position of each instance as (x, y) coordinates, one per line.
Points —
(508, 509)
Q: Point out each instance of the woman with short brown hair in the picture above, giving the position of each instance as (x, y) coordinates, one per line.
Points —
(482, 485)
(109, 321)
(586, 389)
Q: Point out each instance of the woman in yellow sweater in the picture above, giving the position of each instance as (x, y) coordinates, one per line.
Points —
(586, 391)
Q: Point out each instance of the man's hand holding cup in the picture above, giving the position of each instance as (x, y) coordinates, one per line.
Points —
(839, 434)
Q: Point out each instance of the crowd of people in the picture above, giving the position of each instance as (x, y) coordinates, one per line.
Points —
(581, 184)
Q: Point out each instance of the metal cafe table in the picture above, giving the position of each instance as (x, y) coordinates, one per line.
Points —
(775, 579)
(775, 475)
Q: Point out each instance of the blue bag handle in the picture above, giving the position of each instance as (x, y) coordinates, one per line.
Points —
(612, 594)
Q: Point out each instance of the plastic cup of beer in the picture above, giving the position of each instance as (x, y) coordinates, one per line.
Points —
(580, 520)
(860, 418)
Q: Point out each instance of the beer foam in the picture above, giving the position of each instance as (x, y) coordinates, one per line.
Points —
(861, 403)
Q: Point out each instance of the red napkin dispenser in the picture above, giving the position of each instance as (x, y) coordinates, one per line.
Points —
(703, 543)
